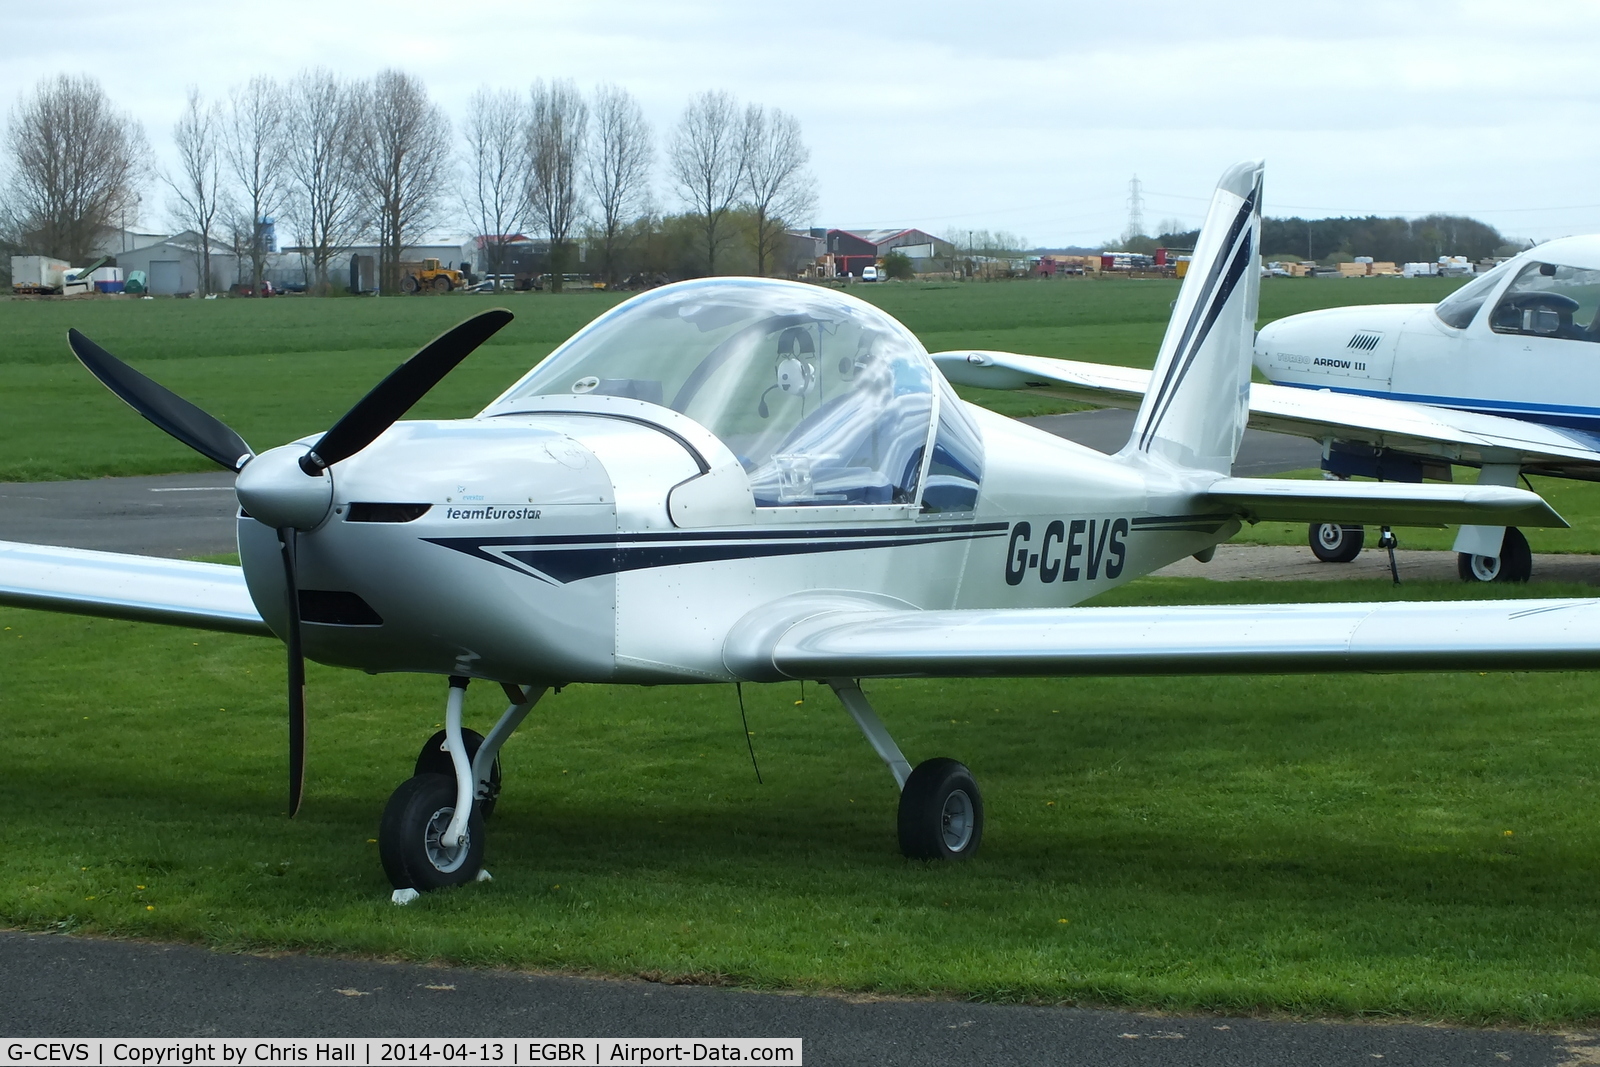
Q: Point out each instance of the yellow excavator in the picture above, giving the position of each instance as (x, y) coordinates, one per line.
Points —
(429, 274)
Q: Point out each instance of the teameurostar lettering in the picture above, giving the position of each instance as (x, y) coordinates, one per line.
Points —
(494, 514)
(1070, 550)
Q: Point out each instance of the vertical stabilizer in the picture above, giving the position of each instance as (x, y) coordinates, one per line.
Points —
(1199, 398)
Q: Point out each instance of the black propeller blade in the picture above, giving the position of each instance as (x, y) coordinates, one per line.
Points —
(202, 432)
(405, 385)
(297, 675)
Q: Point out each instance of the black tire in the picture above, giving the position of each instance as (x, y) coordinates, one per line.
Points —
(434, 759)
(1333, 543)
(441, 284)
(1514, 564)
(941, 812)
(417, 813)
(408, 284)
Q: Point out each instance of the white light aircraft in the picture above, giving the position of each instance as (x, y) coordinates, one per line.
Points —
(748, 480)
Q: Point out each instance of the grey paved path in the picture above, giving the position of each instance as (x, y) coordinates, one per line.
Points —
(74, 987)
(168, 515)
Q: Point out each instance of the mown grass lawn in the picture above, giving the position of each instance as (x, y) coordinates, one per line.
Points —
(1422, 845)
(283, 368)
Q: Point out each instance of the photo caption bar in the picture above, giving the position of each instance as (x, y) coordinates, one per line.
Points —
(433, 1052)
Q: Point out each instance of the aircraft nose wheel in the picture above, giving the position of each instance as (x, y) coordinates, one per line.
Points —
(941, 812)
(410, 836)
(435, 759)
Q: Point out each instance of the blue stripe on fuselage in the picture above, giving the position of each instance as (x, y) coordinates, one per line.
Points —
(1566, 416)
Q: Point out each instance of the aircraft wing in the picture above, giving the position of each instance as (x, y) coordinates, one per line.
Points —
(1380, 503)
(786, 641)
(204, 596)
(1418, 429)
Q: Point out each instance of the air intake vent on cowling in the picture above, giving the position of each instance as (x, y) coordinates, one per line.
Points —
(387, 512)
(335, 607)
(1365, 342)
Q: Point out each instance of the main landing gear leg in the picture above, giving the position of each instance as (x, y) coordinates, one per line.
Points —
(941, 810)
(432, 832)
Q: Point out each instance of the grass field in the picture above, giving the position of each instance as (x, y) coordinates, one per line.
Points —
(1343, 844)
(279, 369)
(1421, 846)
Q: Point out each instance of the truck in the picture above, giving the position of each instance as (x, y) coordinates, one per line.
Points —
(38, 275)
(429, 274)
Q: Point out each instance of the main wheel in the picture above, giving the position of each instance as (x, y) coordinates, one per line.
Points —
(1333, 543)
(414, 820)
(408, 284)
(435, 759)
(441, 284)
(1513, 564)
(941, 812)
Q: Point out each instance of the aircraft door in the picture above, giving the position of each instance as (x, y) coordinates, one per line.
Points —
(1544, 335)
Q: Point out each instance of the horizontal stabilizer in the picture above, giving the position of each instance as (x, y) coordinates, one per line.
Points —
(1231, 639)
(1381, 503)
(204, 596)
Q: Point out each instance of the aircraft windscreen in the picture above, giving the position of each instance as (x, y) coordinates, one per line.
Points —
(1457, 309)
(1550, 300)
(824, 398)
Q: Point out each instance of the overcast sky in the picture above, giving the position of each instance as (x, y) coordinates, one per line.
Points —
(1023, 116)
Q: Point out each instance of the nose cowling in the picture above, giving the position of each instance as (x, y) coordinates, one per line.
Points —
(274, 489)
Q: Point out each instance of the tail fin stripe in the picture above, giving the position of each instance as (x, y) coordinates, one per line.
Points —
(1168, 385)
(1236, 269)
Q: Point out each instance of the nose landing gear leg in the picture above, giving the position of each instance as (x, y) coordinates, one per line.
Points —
(432, 835)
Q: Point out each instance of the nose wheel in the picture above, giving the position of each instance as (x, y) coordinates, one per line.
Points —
(411, 838)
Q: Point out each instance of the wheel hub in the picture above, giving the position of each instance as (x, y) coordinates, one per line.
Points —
(1486, 568)
(957, 820)
(446, 860)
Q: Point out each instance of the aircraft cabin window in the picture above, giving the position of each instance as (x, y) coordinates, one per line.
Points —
(1458, 309)
(825, 399)
(957, 467)
(1550, 300)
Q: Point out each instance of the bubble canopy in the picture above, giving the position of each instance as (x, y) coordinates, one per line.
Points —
(824, 399)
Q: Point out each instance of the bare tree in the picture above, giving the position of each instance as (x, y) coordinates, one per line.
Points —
(75, 167)
(616, 170)
(321, 157)
(558, 123)
(776, 183)
(197, 184)
(496, 197)
(705, 157)
(253, 145)
(405, 164)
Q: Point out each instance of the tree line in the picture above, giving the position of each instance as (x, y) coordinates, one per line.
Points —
(1392, 239)
(350, 161)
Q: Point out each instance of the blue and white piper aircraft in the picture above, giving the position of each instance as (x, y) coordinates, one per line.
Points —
(1513, 355)
(747, 480)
